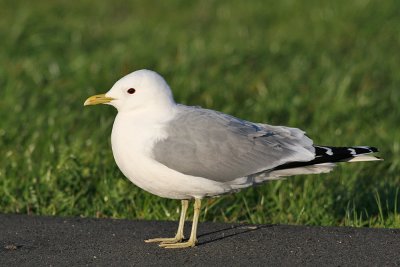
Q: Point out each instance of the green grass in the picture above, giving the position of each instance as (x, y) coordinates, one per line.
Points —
(331, 68)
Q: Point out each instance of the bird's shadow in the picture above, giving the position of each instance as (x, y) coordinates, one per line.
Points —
(229, 232)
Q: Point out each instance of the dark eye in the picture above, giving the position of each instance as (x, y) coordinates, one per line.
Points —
(131, 90)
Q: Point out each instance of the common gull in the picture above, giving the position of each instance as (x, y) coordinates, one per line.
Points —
(182, 152)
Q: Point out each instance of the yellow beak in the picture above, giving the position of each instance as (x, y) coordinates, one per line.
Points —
(98, 99)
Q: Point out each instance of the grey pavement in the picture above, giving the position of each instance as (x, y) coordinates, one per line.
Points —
(56, 241)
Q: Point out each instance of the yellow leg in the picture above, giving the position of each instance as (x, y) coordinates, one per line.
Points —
(179, 234)
(193, 235)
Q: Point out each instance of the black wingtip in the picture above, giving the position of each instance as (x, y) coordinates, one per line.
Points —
(373, 149)
(331, 154)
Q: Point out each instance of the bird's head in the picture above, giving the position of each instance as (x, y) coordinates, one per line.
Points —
(137, 90)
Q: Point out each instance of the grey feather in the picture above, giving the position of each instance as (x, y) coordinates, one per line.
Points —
(220, 147)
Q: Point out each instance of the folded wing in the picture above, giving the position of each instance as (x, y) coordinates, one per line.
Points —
(220, 147)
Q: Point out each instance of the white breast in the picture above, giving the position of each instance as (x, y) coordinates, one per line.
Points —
(133, 138)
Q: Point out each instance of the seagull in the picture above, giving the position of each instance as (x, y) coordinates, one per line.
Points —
(190, 153)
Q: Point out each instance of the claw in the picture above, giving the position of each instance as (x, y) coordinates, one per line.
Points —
(189, 243)
(162, 240)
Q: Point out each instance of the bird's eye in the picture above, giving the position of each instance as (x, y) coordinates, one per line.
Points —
(131, 90)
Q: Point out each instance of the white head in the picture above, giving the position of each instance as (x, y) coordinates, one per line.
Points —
(138, 90)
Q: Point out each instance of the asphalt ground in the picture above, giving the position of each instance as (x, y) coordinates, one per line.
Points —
(55, 241)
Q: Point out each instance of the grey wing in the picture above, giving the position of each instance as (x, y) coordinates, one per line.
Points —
(217, 146)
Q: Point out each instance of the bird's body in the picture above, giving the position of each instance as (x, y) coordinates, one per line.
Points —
(190, 152)
(181, 152)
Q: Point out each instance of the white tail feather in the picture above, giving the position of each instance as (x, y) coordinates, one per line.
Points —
(363, 158)
(279, 174)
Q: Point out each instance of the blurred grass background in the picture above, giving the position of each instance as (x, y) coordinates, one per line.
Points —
(331, 68)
